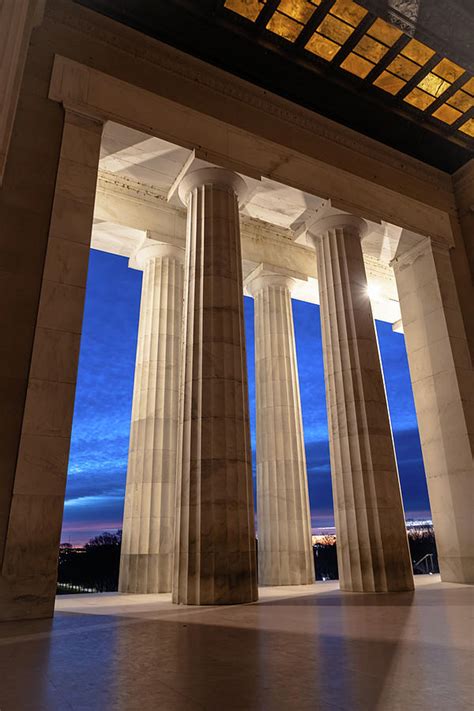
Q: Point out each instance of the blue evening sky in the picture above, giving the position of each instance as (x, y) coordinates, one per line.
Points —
(99, 445)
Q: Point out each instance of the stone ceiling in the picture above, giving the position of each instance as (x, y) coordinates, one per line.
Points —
(391, 69)
(136, 200)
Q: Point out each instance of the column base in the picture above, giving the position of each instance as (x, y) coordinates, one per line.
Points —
(457, 569)
(218, 601)
(145, 573)
(24, 601)
(281, 569)
(237, 589)
(394, 588)
(284, 584)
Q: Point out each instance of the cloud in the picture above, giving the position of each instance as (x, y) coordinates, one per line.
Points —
(100, 436)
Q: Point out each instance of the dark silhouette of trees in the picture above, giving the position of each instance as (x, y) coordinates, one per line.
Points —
(325, 559)
(422, 542)
(94, 567)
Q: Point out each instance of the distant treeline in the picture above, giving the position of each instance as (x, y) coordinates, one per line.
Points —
(96, 566)
(422, 550)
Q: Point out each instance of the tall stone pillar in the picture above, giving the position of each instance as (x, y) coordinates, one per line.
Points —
(372, 542)
(285, 553)
(50, 177)
(147, 546)
(443, 389)
(214, 560)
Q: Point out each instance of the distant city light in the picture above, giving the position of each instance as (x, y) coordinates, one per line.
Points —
(327, 535)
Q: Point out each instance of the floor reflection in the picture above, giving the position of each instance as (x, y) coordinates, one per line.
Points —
(292, 650)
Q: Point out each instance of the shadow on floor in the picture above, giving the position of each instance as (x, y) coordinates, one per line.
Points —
(326, 651)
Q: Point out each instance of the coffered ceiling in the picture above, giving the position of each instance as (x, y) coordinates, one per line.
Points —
(391, 69)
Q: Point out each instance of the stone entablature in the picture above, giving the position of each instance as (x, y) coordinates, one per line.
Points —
(410, 202)
(145, 210)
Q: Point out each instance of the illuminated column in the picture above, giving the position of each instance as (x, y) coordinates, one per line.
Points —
(285, 552)
(443, 388)
(372, 543)
(147, 546)
(214, 534)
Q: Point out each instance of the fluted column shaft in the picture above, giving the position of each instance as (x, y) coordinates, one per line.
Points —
(214, 534)
(285, 554)
(147, 545)
(442, 378)
(372, 545)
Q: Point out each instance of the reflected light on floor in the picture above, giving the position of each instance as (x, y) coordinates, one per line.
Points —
(299, 648)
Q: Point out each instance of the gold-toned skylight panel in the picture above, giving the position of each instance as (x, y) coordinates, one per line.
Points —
(411, 58)
(403, 68)
(348, 11)
(448, 70)
(461, 101)
(323, 47)
(300, 10)
(335, 30)
(357, 65)
(246, 8)
(284, 26)
(447, 114)
(384, 32)
(418, 52)
(420, 99)
(370, 49)
(385, 36)
(433, 84)
(436, 83)
(455, 105)
(468, 127)
(469, 86)
(389, 82)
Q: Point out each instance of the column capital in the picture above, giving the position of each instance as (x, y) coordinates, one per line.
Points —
(218, 177)
(411, 254)
(349, 223)
(262, 277)
(152, 250)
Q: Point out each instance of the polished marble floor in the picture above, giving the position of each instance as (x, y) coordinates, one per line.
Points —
(297, 649)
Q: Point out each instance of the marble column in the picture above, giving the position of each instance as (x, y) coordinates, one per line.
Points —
(214, 550)
(285, 552)
(443, 388)
(372, 544)
(147, 546)
(43, 286)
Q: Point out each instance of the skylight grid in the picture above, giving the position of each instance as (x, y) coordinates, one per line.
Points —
(290, 17)
(396, 63)
(433, 85)
(335, 29)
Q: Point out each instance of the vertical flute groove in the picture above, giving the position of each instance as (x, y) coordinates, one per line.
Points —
(284, 523)
(370, 526)
(146, 556)
(214, 532)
